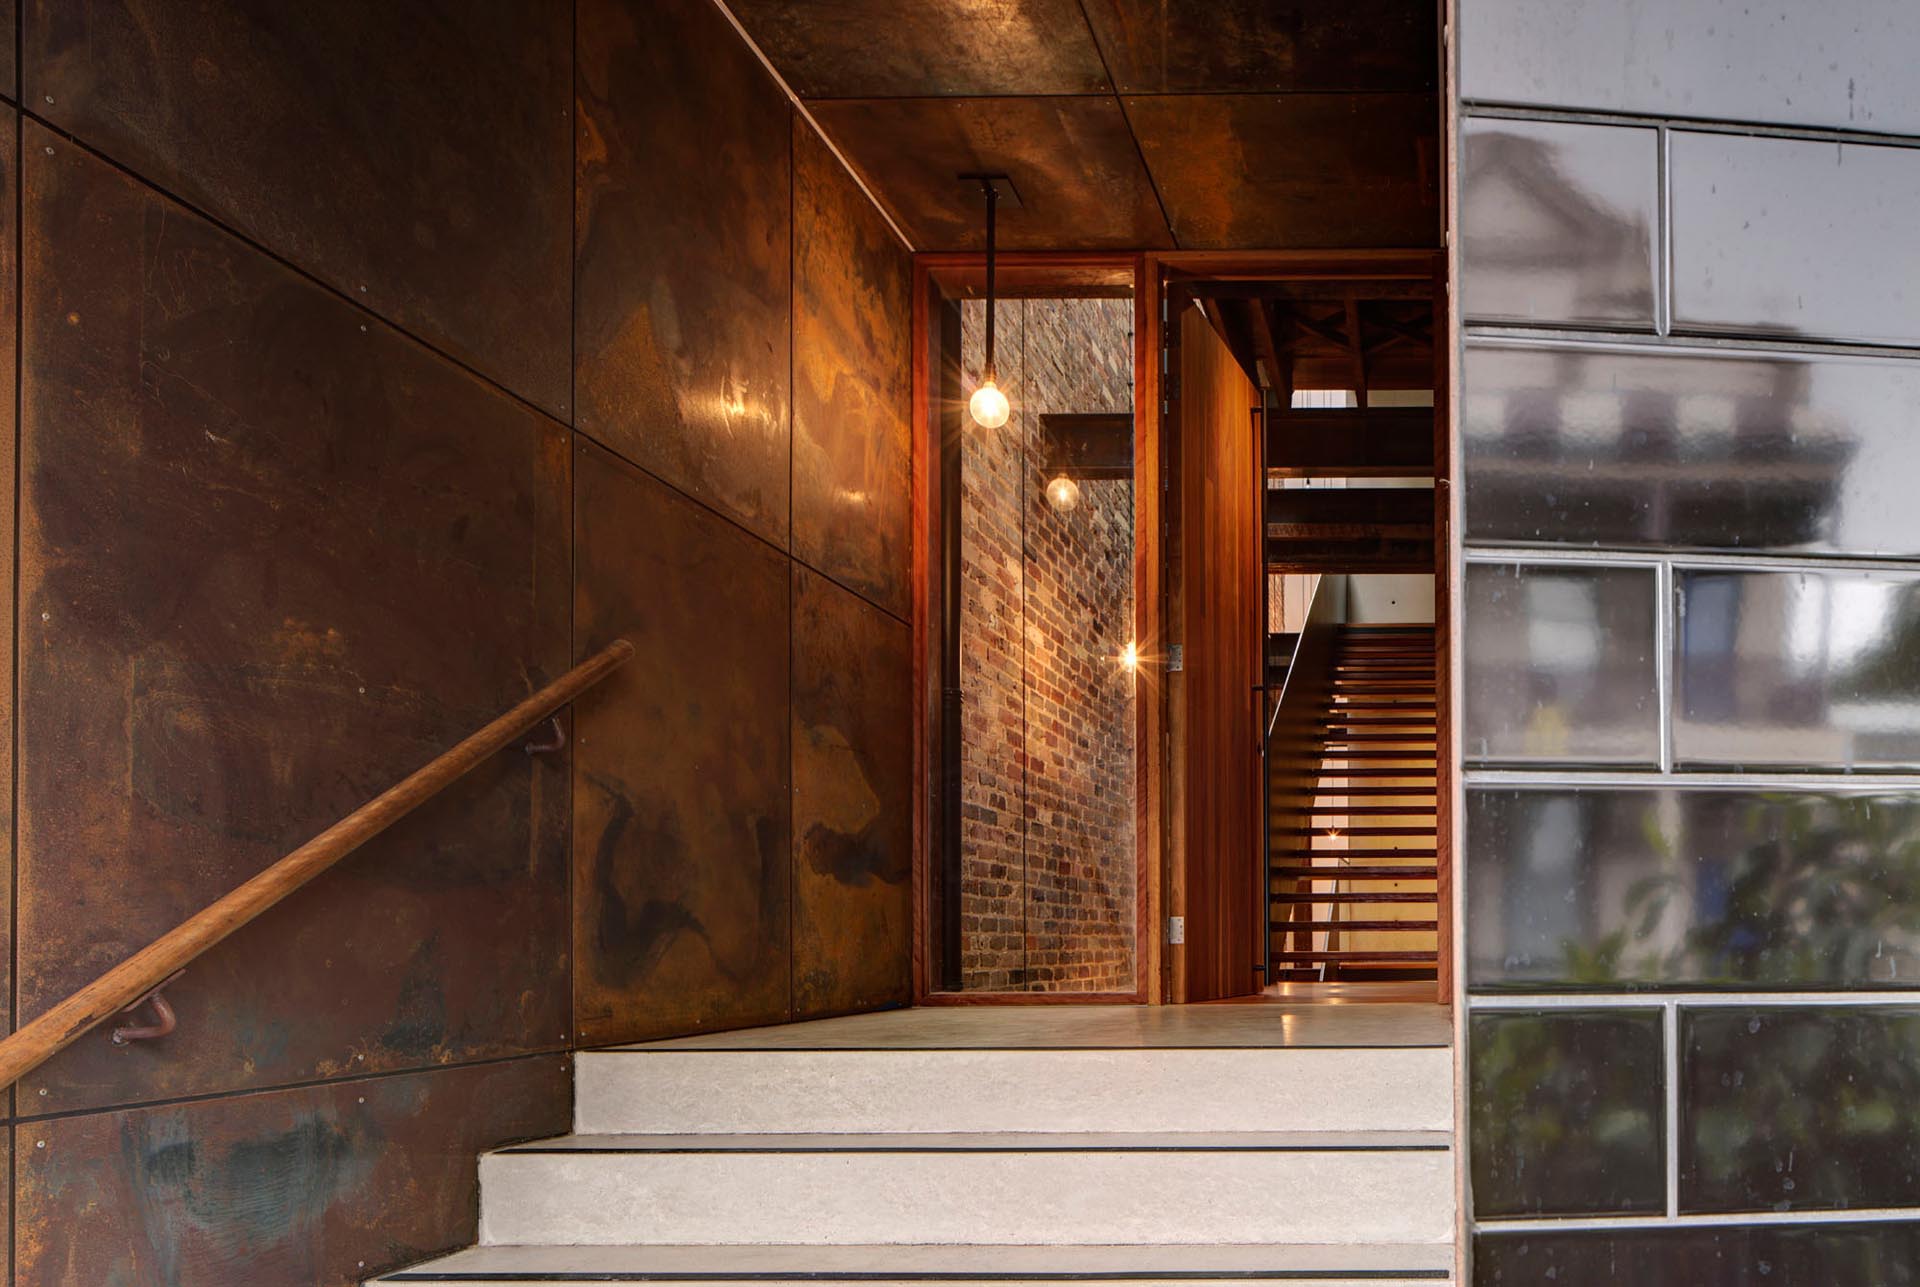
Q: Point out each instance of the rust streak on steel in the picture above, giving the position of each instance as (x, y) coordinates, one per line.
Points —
(138, 975)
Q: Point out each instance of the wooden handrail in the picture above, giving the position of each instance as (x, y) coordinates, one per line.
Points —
(138, 975)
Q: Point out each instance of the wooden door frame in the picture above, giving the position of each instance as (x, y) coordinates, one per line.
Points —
(1068, 273)
(1159, 867)
(1169, 270)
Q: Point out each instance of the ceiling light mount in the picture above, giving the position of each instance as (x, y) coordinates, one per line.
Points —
(988, 405)
(1002, 184)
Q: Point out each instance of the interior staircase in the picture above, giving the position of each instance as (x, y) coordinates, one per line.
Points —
(1352, 866)
(943, 1161)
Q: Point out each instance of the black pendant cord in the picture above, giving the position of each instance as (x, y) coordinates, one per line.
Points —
(993, 205)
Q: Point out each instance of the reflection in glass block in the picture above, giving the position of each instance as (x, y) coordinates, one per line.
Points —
(1799, 1109)
(1557, 222)
(1567, 445)
(1826, 1255)
(1567, 1113)
(1795, 237)
(1804, 668)
(1637, 887)
(1560, 664)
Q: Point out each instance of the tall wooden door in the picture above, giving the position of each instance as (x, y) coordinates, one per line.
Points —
(1220, 563)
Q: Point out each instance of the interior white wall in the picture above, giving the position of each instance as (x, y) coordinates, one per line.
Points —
(1382, 599)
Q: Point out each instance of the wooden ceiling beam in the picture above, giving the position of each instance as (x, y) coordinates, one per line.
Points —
(1236, 328)
(1330, 292)
(1328, 331)
(1405, 332)
(1265, 345)
(1358, 347)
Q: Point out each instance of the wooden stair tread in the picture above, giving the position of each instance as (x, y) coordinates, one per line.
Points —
(1366, 810)
(1374, 853)
(1295, 871)
(1368, 927)
(1368, 775)
(1356, 955)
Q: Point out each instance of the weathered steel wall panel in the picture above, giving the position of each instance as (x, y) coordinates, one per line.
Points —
(1266, 46)
(683, 275)
(9, 438)
(413, 156)
(1294, 171)
(9, 49)
(682, 807)
(853, 795)
(1076, 167)
(884, 49)
(275, 555)
(852, 383)
(322, 1185)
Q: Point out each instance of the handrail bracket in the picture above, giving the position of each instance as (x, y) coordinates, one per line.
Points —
(556, 739)
(164, 1019)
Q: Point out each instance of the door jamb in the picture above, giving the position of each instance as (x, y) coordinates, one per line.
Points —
(1157, 880)
(1177, 268)
(1028, 272)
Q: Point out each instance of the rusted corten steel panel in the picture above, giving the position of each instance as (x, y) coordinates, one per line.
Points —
(275, 555)
(852, 802)
(9, 53)
(6, 1203)
(1072, 160)
(1267, 46)
(415, 156)
(326, 1185)
(683, 275)
(682, 802)
(9, 286)
(1295, 171)
(852, 383)
(885, 49)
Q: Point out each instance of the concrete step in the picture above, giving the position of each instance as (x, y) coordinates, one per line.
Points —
(978, 1188)
(1383, 1265)
(678, 1090)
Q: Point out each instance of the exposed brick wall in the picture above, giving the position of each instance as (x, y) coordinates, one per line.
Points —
(1047, 842)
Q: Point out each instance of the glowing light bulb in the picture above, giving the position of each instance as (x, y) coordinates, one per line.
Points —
(1130, 656)
(988, 406)
(1063, 493)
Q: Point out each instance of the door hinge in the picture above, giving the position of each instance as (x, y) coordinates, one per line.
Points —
(1176, 929)
(1176, 657)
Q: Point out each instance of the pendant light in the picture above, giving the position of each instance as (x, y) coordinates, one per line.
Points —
(988, 406)
(1063, 493)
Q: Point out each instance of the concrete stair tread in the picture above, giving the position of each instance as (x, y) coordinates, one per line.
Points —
(994, 1142)
(1374, 1264)
(1093, 1027)
(960, 1089)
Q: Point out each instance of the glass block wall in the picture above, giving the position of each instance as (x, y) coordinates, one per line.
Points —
(1690, 445)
